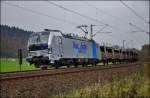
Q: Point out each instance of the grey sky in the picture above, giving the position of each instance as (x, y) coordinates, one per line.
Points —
(109, 12)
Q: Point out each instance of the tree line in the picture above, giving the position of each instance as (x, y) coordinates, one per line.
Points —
(13, 38)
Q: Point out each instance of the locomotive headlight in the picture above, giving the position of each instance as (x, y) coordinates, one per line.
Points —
(49, 50)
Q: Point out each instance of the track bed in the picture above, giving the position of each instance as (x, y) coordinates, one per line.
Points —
(49, 82)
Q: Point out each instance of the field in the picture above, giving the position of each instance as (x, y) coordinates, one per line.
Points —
(135, 85)
(11, 65)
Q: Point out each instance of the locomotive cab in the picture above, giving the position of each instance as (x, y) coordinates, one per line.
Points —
(40, 51)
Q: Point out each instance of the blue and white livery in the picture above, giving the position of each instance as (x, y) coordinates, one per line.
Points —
(55, 48)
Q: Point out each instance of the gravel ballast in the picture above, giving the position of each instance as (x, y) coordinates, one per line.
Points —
(47, 86)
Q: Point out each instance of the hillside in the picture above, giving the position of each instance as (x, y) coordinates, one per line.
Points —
(13, 38)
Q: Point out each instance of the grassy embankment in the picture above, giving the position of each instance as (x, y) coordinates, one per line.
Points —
(10, 65)
(135, 85)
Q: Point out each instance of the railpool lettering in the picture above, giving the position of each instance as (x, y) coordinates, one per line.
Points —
(80, 47)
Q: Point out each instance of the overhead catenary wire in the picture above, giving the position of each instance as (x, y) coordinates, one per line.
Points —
(77, 13)
(52, 17)
(106, 13)
(134, 12)
(82, 15)
(42, 14)
(135, 26)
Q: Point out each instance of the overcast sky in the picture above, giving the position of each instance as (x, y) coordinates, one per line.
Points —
(38, 15)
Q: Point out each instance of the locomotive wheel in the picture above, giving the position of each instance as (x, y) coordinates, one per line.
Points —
(84, 65)
(94, 64)
(56, 66)
(43, 68)
(68, 65)
(107, 62)
(104, 62)
(76, 65)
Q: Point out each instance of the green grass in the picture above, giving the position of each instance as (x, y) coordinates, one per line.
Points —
(11, 65)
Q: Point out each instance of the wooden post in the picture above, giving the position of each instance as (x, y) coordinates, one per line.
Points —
(20, 57)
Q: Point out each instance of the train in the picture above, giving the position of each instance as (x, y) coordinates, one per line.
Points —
(52, 47)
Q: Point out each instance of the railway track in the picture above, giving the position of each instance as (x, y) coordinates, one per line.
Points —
(53, 72)
(52, 82)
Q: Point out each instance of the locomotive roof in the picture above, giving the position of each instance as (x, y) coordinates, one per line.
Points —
(69, 35)
(76, 37)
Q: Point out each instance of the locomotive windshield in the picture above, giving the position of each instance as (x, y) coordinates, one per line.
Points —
(39, 38)
(38, 41)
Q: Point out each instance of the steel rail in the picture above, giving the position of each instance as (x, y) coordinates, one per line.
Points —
(37, 70)
(64, 72)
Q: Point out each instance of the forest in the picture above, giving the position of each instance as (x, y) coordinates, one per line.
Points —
(12, 39)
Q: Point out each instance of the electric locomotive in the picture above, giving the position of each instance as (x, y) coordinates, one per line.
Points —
(57, 49)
